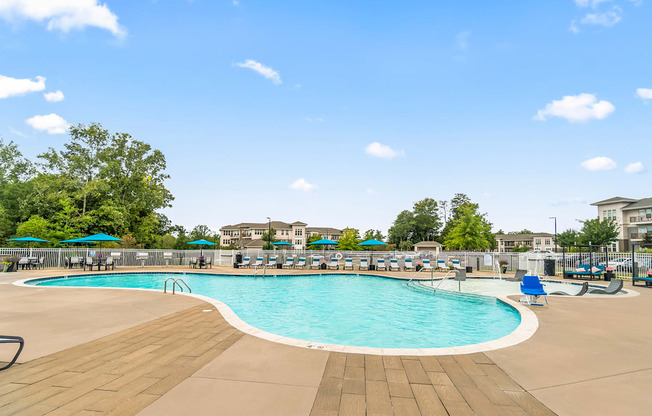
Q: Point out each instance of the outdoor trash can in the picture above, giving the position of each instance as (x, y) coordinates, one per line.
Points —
(469, 269)
(279, 266)
(322, 266)
(549, 267)
(609, 275)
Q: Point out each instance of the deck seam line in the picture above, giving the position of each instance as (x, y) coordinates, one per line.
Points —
(591, 379)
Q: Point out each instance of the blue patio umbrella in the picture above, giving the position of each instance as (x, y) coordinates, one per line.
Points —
(324, 242)
(282, 243)
(372, 243)
(29, 240)
(98, 238)
(202, 243)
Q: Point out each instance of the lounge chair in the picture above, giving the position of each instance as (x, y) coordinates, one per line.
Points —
(314, 263)
(301, 263)
(585, 270)
(142, 257)
(614, 287)
(456, 264)
(380, 264)
(393, 265)
(271, 263)
(208, 262)
(532, 289)
(408, 265)
(441, 265)
(583, 290)
(518, 276)
(258, 263)
(334, 264)
(289, 263)
(116, 255)
(364, 264)
(246, 262)
(348, 263)
(41, 263)
(427, 265)
(193, 262)
(10, 339)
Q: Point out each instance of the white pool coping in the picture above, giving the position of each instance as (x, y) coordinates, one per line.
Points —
(525, 330)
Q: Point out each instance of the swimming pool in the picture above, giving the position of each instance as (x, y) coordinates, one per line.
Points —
(349, 310)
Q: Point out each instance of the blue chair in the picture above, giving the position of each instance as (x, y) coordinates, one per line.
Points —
(532, 287)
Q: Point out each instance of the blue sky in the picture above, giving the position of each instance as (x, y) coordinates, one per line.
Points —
(533, 109)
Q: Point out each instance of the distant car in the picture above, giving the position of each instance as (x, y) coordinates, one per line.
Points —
(541, 252)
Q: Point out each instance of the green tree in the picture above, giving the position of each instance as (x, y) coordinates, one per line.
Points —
(518, 248)
(469, 231)
(426, 220)
(406, 246)
(402, 228)
(647, 240)
(525, 231)
(313, 238)
(350, 240)
(600, 233)
(37, 227)
(269, 238)
(167, 241)
(567, 238)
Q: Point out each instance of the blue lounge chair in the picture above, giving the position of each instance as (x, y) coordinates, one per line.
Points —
(588, 272)
(441, 264)
(532, 288)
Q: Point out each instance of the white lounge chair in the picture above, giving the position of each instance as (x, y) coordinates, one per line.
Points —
(167, 259)
(348, 263)
(193, 262)
(208, 262)
(289, 263)
(427, 265)
(364, 264)
(393, 265)
(301, 263)
(142, 257)
(246, 262)
(408, 265)
(380, 264)
(334, 264)
(109, 263)
(456, 264)
(441, 265)
(259, 262)
(271, 263)
(314, 263)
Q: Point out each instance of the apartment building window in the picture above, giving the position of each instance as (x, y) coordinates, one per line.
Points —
(537, 241)
(298, 232)
(547, 241)
(298, 241)
(645, 213)
(258, 232)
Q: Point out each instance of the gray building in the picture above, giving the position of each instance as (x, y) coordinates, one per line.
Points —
(634, 217)
(534, 241)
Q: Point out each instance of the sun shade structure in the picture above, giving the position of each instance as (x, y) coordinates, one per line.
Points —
(282, 243)
(202, 243)
(98, 238)
(29, 240)
(372, 242)
(324, 242)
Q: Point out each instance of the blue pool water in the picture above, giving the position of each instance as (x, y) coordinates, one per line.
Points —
(363, 311)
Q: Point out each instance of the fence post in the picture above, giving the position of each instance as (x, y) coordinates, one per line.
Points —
(59, 258)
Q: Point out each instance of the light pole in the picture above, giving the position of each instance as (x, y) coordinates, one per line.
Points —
(555, 218)
(269, 232)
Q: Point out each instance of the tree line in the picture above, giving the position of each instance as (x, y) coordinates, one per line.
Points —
(98, 182)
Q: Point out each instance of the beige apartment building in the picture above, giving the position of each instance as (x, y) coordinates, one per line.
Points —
(634, 217)
(535, 241)
(249, 235)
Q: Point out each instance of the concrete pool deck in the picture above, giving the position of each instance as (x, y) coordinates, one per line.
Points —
(585, 358)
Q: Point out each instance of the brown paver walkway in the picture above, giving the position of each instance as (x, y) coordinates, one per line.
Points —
(355, 384)
(119, 374)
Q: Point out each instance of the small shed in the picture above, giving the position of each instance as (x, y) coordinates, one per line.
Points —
(428, 246)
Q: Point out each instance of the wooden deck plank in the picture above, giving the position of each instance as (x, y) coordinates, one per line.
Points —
(403, 406)
(428, 400)
(377, 398)
(374, 369)
(415, 372)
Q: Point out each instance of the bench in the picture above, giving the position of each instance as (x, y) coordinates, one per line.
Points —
(647, 280)
(570, 274)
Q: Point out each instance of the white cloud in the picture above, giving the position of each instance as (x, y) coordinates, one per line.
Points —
(51, 123)
(635, 167)
(63, 15)
(573, 27)
(606, 19)
(590, 3)
(312, 119)
(263, 70)
(644, 93)
(302, 185)
(54, 97)
(463, 40)
(599, 163)
(12, 86)
(576, 108)
(382, 151)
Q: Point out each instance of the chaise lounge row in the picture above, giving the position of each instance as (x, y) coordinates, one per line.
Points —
(334, 264)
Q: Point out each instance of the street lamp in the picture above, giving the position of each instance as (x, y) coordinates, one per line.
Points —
(269, 232)
(555, 218)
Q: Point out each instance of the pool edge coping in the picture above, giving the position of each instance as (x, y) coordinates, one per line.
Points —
(525, 330)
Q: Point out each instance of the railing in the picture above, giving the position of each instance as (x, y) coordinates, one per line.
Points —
(637, 236)
(175, 283)
(640, 218)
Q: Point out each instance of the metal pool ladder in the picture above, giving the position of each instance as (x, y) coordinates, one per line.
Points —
(175, 283)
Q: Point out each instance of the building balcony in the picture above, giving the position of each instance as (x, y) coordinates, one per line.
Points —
(639, 218)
